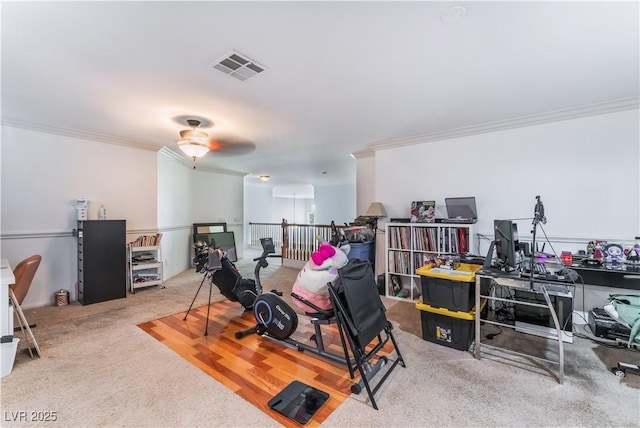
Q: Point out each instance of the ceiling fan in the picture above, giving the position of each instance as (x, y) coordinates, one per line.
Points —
(194, 143)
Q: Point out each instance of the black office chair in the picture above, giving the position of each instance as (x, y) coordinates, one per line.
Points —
(361, 320)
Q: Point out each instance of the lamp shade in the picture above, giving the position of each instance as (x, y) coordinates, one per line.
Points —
(376, 209)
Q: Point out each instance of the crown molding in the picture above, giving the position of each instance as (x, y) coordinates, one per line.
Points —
(78, 133)
(365, 153)
(622, 104)
(111, 139)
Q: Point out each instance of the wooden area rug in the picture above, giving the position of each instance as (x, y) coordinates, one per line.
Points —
(254, 367)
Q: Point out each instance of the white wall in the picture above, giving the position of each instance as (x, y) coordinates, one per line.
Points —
(294, 210)
(365, 177)
(366, 193)
(335, 202)
(258, 206)
(175, 212)
(329, 202)
(187, 196)
(42, 176)
(218, 198)
(586, 170)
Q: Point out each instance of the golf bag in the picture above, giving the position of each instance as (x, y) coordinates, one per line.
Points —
(226, 277)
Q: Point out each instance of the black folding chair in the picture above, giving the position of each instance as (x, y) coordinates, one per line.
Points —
(362, 320)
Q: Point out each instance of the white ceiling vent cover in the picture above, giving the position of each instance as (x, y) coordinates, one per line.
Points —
(238, 65)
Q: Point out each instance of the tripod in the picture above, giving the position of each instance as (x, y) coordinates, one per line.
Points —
(538, 217)
(214, 264)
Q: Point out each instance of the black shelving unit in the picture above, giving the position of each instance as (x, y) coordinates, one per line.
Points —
(102, 260)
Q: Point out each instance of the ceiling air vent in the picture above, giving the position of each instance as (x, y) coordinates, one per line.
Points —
(238, 65)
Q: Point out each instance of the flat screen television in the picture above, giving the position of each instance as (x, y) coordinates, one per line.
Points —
(201, 232)
(506, 244)
(224, 240)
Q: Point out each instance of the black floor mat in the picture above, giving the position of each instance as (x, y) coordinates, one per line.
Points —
(298, 401)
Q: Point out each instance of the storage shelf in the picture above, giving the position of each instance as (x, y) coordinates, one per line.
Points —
(153, 267)
(409, 245)
(139, 284)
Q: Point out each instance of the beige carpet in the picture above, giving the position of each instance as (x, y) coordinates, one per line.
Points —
(99, 369)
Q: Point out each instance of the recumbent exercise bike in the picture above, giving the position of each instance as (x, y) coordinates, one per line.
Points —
(276, 319)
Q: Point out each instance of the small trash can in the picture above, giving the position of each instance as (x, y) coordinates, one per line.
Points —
(62, 298)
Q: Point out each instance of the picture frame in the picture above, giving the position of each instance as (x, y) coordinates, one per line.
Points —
(423, 211)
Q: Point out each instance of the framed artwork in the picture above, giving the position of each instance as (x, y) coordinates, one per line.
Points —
(423, 211)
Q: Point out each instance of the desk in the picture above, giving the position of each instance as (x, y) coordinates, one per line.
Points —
(6, 311)
(514, 281)
(608, 275)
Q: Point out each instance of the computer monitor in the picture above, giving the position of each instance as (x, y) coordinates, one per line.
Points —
(224, 240)
(506, 244)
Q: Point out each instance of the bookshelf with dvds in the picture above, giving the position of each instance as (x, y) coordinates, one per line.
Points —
(411, 245)
(145, 262)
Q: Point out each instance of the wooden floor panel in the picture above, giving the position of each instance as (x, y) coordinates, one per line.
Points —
(254, 367)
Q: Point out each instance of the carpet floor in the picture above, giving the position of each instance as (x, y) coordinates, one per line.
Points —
(100, 369)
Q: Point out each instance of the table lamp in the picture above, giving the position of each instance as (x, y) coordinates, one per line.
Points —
(375, 211)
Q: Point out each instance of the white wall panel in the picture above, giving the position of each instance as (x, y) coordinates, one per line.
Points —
(586, 171)
(42, 176)
(366, 190)
(335, 203)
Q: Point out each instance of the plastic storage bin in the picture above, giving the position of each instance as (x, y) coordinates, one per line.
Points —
(450, 289)
(448, 328)
(362, 250)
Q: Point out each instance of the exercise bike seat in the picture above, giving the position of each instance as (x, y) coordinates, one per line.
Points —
(320, 316)
(319, 313)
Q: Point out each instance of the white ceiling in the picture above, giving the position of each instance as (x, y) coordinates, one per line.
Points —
(339, 76)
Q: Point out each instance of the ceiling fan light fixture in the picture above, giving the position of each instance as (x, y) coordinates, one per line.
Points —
(194, 143)
(192, 148)
(193, 135)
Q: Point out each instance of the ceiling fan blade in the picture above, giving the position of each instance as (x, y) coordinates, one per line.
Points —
(230, 146)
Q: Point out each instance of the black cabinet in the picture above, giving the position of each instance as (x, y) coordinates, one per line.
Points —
(102, 258)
